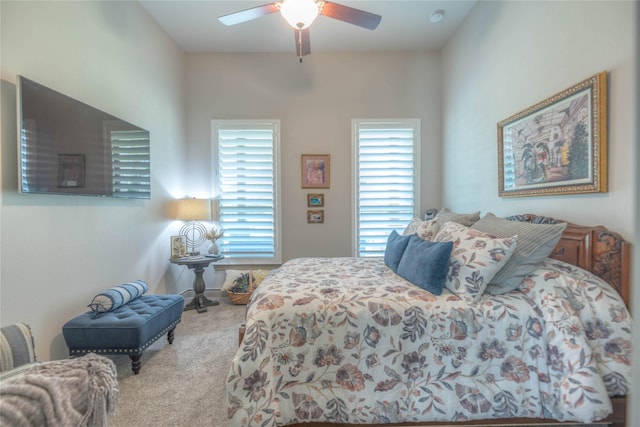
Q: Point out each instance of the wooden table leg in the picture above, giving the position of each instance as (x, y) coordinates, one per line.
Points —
(199, 302)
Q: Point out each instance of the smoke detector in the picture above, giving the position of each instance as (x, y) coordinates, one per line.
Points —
(437, 16)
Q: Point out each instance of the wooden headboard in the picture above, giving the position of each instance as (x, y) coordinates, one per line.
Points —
(595, 249)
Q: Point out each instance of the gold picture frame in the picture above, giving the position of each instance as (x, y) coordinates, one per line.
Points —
(558, 146)
(315, 170)
(315, 216)
(178, 246)
(315, 200)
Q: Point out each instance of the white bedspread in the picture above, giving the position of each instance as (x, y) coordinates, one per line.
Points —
(346, 340)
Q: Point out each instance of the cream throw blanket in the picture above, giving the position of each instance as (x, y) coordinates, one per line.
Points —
(71, 392)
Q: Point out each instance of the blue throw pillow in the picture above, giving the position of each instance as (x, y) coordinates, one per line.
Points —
(425, 263)
(396, 244)
(118, 296)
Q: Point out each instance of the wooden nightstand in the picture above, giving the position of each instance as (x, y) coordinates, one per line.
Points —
(198, 264)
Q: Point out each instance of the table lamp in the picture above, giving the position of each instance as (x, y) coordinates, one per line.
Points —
(193, 210)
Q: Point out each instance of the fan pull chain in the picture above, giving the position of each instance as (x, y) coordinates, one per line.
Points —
(300, 44)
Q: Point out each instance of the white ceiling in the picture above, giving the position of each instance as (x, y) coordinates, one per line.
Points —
(405, 26)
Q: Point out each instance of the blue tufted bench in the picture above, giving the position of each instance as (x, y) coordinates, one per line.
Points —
(129, 329)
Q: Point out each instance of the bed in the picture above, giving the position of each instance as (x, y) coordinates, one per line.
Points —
(343, 341)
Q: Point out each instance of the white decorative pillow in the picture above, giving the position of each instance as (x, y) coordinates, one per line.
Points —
(412, 227)
(476, 257)
(428, 229)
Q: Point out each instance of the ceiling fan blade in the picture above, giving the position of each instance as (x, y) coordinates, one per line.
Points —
(303, 43)
(348, 14)
(249, 14)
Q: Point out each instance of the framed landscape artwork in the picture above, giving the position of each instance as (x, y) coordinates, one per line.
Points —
(558, 146)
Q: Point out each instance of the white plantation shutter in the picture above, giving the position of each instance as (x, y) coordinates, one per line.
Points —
(386, 182)
(247, 165)
(130, 164)
(28, 155)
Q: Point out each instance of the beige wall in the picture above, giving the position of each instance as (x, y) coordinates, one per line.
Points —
(315, 102)
(508, 56)
(59, 251)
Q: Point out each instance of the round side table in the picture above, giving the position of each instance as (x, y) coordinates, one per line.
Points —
(198, 264)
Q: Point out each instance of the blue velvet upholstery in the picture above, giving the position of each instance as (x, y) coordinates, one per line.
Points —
(425, 263)
(128, 330)
(396, 244)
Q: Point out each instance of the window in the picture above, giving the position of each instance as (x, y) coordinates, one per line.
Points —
(130, 162)
(386, 182)
(246, 179)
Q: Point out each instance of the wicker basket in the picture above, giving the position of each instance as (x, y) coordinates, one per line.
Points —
(240, 298)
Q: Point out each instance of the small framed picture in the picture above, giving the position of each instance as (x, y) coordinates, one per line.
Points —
(178, 246)
(315, 170)
(315, 200)
(71, 170)
(315, 217)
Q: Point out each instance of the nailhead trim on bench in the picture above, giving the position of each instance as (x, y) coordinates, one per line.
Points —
(126, 350)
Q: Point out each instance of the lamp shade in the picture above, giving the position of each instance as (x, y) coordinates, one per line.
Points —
(193, 210)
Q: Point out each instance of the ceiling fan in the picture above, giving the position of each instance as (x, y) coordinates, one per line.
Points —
(301, 13)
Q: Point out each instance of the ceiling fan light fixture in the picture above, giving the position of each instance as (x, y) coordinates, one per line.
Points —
(299, 13)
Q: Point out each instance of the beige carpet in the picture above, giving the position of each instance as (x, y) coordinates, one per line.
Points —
(182, 384)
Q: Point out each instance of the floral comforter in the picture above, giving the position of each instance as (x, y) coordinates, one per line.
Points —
(346, 340)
